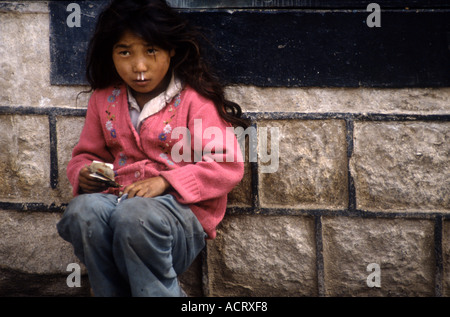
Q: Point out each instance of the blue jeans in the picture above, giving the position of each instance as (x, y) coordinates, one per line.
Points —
(133, 248)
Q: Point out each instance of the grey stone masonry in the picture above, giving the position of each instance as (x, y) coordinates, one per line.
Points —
(358, 204)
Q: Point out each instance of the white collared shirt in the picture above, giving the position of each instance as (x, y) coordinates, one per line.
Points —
(154, 105)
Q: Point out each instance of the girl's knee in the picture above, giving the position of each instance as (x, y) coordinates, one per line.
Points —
(140, 215)
(89, 208)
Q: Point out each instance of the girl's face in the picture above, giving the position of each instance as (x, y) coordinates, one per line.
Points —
(142, 66)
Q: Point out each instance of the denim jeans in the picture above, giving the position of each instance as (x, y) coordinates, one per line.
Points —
(136, 247)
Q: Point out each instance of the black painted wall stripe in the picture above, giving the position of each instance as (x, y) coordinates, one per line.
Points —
(54, 111)
(253, 116)
(319, 256)
(53, 152)
(351, 185)
(262, 211)
(438, 253)
(258, 116)
(294, 47)
(314, 4)
(328, 4)
(254, 177)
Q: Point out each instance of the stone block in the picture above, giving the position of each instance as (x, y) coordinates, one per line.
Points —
(403, 249)
(312, 170)
(25, 72)
(241, 195)
(401, 166)
(19, 284)
(34, 258)
(25, 158)
(348, 100)
(68, 130)
(31, 244)
(446, 257)
(263, 256)
(191, 280)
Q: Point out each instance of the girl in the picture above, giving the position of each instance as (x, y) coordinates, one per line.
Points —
(148, 77)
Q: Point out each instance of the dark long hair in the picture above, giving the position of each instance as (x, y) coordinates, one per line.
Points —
(159, 24)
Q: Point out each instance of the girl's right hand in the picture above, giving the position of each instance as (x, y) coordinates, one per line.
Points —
(89, 184)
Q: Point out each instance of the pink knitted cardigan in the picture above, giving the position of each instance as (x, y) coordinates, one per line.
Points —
(202, 182)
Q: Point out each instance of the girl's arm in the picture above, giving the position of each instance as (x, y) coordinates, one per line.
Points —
(89, 184)
(91, 146)
(221, 166)
(150, 187)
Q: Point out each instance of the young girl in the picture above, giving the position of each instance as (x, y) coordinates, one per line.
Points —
(148, 77)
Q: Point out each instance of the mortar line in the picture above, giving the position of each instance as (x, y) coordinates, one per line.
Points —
(263, 211)
(319, 256)
(438, 256)
(254, 116)
(53, 152)
(359, 213)
(56, 111)
(32, 206)
(349, 124)
(344, 116)
(254, 171)
(204, 273)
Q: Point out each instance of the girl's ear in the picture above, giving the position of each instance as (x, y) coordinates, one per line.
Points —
(172, 52)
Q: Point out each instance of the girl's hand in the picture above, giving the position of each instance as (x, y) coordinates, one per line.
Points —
(150, 187)
(89, 184)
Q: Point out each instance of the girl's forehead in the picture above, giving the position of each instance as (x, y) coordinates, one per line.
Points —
(129, 37)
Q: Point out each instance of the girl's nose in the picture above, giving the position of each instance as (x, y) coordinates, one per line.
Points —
(140, 65)
(138, 68)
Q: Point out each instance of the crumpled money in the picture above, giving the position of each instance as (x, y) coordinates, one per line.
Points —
(104, 172)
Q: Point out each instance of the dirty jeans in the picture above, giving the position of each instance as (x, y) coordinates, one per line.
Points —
(133, 248)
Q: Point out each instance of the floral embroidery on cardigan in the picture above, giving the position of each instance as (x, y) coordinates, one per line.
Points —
(167, 129)
(164, 156)
(111, 117)
(109, 125)
(115, 93)
(164, 135)
(177, 100)
(122, 159)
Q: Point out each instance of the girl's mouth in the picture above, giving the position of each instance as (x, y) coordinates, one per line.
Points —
(143, 82)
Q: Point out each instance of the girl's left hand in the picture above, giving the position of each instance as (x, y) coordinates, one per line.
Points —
(150, 187)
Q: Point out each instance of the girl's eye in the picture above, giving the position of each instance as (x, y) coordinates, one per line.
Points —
(124, 53)
(151, 51)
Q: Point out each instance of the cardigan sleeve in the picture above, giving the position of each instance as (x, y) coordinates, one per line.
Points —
(91, 146)
(218, 164)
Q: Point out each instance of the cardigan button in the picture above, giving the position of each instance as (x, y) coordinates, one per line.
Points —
(137, 174)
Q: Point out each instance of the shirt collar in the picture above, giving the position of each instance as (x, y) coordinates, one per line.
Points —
(156, 104)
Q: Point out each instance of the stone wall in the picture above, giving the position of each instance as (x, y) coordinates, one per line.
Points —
(363, 178)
